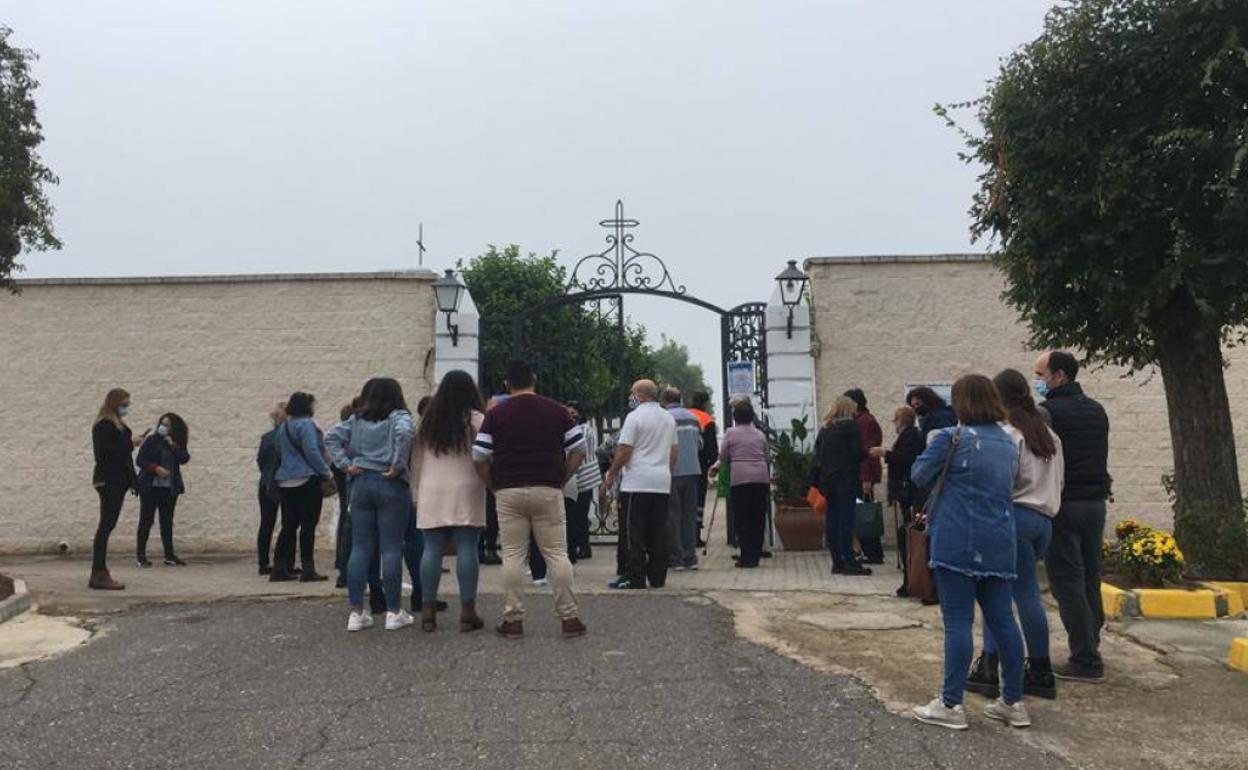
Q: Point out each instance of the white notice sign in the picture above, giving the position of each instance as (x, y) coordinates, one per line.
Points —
(742, 379)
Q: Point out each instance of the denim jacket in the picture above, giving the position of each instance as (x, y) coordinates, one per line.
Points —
(294, 434)
(375, 446)
(972, 525)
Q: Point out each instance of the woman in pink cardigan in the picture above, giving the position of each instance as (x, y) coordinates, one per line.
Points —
(450, 498)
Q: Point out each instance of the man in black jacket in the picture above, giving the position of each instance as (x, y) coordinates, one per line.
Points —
(1074, 557)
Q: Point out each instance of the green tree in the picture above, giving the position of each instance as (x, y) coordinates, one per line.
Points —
(579, 355)
(1113, 153)
(25, 213)
(673, 367)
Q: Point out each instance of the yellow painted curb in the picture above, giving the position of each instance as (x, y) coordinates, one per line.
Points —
(1114, 600)
(1238, 658)
(1233, 590)
(1177, 603)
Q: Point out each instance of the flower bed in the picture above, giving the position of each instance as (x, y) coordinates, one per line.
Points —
(1143, 576)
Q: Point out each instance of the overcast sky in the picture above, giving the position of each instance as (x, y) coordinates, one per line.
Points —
(307, 135)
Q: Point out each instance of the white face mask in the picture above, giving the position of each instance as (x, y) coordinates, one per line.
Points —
(162, 430)
(123, 410)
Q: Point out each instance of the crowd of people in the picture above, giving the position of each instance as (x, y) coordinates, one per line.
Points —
(998, 482)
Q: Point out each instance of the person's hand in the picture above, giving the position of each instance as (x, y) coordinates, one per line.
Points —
(162, 471)
(390, 474)
(876, 451)
(354, 470)
(920, 517)
(609, 481)
(713, 471)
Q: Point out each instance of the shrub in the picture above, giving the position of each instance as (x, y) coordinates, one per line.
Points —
(1216, 543)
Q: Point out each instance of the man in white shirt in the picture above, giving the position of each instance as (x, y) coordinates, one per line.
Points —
(648, 450)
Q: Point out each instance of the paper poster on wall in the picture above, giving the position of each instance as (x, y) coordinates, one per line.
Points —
(742, 378)
(943, 389)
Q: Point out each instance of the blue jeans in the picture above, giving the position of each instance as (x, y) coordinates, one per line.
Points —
(958, 595)
(413, 549)
(838, 533)
(1034, 530)
(379, 516)
(467, 567)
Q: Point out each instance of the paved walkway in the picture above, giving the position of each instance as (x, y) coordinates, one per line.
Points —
(660, 681)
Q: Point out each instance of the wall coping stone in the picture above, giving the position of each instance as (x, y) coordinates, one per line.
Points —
(406, 275)
(893, 259)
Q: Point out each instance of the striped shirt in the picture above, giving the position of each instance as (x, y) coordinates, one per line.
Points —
(526, 439)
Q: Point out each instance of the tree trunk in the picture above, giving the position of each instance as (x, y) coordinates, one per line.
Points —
(1205, 467)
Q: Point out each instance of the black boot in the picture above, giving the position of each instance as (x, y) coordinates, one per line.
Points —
(490, 558)
(281, 573)
(985, 677)
(1038, 679)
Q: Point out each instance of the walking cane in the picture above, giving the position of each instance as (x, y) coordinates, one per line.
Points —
(707, 542)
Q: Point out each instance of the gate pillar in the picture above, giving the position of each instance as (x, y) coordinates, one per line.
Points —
(466, 355)
(790, 365)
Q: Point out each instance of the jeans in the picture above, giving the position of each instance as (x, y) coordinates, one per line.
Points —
(467, 568)
(268, 520)
(414, 550)
(379, 517)
(301, 512)
(958, 595)
(841, 493)
(1034, 530)
(112, 497)
(162, 500)
(647, 537)
(1074, 566)
(537, 512)
(682, 522)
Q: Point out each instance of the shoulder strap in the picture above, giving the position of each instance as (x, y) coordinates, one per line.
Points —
(298, 442)
(940, 483)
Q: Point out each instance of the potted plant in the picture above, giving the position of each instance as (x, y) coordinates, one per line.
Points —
(798, 525)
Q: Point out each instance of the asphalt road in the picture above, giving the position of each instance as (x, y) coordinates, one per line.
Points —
(660, 681)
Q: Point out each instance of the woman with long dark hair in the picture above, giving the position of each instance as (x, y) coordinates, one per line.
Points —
(160, 462)
(299, 477)
(971, 470)
(1037, 497)
(374, 446)
(113, 476)
(450, 495)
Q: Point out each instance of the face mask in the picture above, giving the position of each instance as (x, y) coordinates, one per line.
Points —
(633, 403)
(162, 430)
(1041, 387)
(122, 411)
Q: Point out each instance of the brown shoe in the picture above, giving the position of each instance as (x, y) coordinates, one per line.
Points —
(102, 581)
(469, 620)
(510, 629)
(573, 627)
(429, 617)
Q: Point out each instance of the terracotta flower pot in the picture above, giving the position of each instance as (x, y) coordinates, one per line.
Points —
(799, 527)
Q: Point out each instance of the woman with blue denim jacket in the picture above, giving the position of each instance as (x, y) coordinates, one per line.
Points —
(973, 548)
(374, 447)
(303, 467)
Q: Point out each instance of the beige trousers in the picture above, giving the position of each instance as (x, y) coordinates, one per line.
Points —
(536, 510)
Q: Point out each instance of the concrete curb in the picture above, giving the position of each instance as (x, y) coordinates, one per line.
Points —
(1206, 603)
(16, 604)
(1238, 657)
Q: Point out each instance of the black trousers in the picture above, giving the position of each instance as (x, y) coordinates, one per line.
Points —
(749, 510)
(342, 542)
(578, 523)
(162, 501)
(646, 537)
(489, 537)
(112, 497)
(269, 509)
(704, 487)
(301, 512)
(1074, 566)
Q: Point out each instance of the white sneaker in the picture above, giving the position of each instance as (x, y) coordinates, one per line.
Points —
(397, 620)
(1013, 714)
(937, 713)
(360, 621)
(539, 582)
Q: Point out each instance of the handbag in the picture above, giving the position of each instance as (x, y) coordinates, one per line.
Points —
(869, 520)
(329, 487)
(920, 583)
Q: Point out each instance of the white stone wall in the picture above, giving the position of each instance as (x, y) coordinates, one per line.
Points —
(882, 322)
(220, 351)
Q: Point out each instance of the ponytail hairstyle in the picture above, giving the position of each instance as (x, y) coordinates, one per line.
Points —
(1023, 414)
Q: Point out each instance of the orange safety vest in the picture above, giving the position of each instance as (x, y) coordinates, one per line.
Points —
(704, 419)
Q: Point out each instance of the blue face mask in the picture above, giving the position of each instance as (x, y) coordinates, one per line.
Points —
(122, 411)
(1041, 387)
(162, 430)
